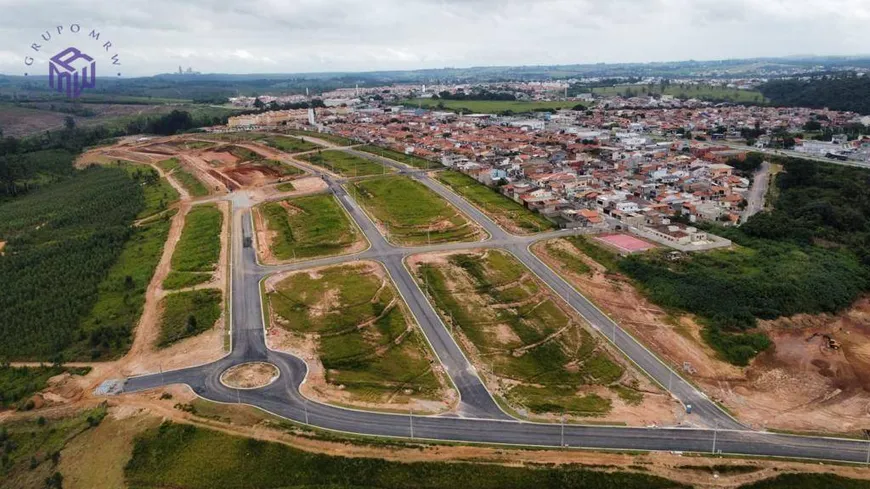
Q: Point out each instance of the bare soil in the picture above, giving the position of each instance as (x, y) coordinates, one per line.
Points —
(797, 385)
(250, 375)
(2, 245)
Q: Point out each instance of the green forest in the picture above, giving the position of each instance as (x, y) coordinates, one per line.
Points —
(61, 243)
(73, 268)
(843, 92)
(809, 255)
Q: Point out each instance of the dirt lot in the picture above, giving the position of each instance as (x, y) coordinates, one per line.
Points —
(250, 375)
(797, 385)
(804, 384)
(23, 121)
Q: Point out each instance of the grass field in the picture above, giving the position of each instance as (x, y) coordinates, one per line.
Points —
(366, 340)
(702, 92)
(188, 314)
(285, 187)
(345, 164)
(243, 154)
(187, 457)
(197, 144)
(169, 164)
(567, 259)
(159, 194)
(310, 226)
(289, 144)
(411, 213)
(489, 106)
(331, 138)
(198, 250)
(121, 295)
(601, 255)
(410, 160)
(509, 214)
(283, 169)
(190, 183)
(522, 335)
(30, 449)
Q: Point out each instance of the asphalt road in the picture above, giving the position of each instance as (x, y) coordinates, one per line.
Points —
(479, 419)
(793, 154)
(755, 199)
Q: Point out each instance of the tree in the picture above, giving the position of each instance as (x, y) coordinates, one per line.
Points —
(259, 104)
(69, 123)
(191, 323)
(812, 125)
(54, 482)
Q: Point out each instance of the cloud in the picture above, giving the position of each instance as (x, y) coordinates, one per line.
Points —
(347, 35)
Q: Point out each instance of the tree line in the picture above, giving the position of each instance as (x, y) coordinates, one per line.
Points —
(847, 92)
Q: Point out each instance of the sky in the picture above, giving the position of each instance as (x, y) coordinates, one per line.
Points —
(294, 36)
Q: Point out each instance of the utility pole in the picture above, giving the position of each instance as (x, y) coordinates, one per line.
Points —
(162, 378)
(411, 420)
(562, 437)
(670, 378)
(305, 406)
(238, 396)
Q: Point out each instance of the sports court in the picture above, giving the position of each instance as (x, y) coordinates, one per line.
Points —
(625, 243)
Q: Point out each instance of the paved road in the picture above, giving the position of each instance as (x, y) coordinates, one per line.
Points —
(794, 154)
(755, 199)
(479, 419)
(707, 412)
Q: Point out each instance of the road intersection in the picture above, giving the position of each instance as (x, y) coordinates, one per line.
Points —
(478, 417)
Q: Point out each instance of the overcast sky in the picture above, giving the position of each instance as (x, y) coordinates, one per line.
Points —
(271, 36)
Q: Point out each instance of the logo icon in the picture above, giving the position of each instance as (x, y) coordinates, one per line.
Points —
(74, 69)
(67, 74)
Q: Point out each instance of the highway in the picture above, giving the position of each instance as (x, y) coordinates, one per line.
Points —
(478, 418)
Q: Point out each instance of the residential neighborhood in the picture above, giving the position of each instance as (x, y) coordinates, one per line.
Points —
(638, 168)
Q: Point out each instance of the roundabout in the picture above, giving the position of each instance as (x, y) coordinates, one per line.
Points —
(251, 375)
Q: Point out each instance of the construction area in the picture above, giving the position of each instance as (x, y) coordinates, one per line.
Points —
(815, 378)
